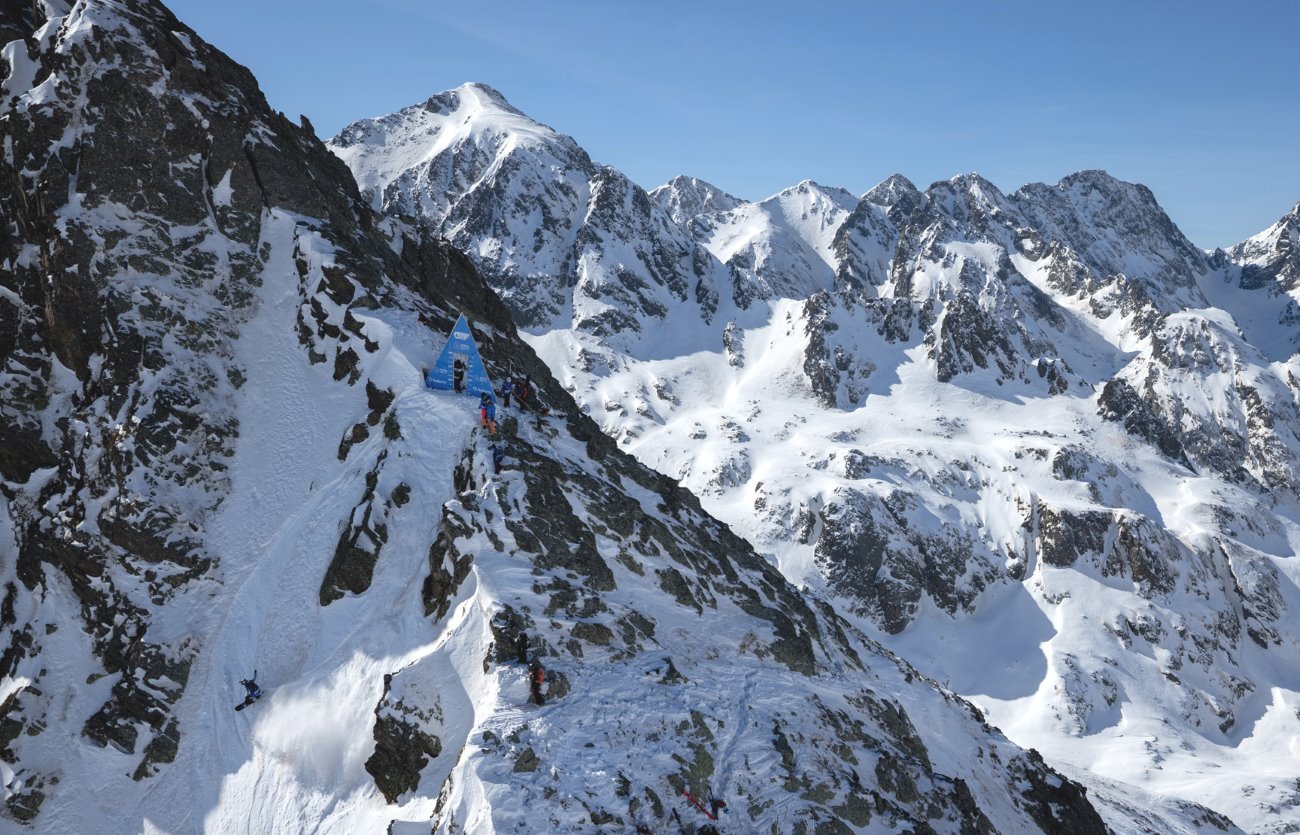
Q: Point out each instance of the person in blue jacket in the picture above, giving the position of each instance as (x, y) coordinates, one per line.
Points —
(488, 409)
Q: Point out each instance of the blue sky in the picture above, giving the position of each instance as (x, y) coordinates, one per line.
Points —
(1198, 100)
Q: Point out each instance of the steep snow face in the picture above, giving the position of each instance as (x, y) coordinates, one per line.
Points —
(437, 159)
(781, 247)
(1043, 417)
(220, 460)
(1258, 283)
(472, 114)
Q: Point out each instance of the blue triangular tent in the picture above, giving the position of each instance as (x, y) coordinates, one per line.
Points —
(460, 342)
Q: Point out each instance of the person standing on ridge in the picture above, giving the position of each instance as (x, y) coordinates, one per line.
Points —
(506, 389)
(521, 647)
(536, 677)
(458, 374)
(498, 456)
(488, 410)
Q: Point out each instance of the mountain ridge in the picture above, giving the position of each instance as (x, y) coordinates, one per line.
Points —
(970, 396)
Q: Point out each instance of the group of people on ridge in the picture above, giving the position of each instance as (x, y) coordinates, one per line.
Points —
(520, 388)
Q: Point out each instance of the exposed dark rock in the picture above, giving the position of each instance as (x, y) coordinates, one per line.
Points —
(870, 553)
(359, 544)
(1121, 403)
(402, 751)
(1066, 535)
(527, 761)
(1056, 804)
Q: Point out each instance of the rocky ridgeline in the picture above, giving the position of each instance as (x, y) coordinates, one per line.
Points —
(618, 554)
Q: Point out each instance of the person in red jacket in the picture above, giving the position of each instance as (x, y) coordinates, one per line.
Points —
(536, 677)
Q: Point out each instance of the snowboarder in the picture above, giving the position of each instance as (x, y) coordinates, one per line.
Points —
(498, 456)
(521, 647)
(458, 374)
(253, 691)
(488, 410)
(506, 389)
(536, 677)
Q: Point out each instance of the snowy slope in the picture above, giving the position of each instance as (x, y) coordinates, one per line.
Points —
(1036, 442)
(782, 246)
(220, 457)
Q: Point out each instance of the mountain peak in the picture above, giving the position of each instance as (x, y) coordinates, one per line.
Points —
(896, 194)
(811, 189)
(889, 190)
(687, 197)
(475, 97)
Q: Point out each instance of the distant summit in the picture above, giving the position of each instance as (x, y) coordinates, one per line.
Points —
(685, 197)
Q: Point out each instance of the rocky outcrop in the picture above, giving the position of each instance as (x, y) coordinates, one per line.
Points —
(1271, 258)
(876, 553)
(402, 747)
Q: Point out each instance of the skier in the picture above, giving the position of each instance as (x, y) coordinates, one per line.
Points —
(536, 677)
(506, 389)
(521, 647)
(488, 410)
(498, 455)
(253, 691)
(458, 374)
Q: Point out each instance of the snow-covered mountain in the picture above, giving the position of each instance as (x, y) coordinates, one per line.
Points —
(685, 198)
(528, 202)
(1037, 442)
(218, 458)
